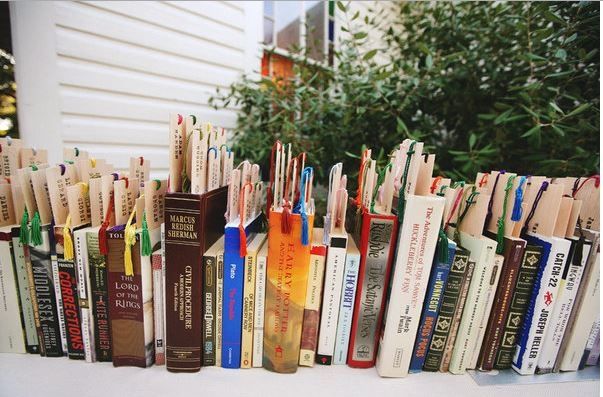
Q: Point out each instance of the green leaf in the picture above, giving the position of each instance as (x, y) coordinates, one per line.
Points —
(472, 140)
(360, 35)
(503, 116)
(369, 55)
(556, 108)
(423, 48)
(341, 6)
(401, 126)
(561, 54)
(486, 116)
(558, 130)
(579, 109)
(530, 111)
(571, 38)
(429, 61)
(535, 57)
(356, 15)
(531, 131)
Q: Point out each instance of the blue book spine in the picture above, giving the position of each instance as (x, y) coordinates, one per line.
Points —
(232, 318)
(346, 308)
(527, 322)
(431, 307)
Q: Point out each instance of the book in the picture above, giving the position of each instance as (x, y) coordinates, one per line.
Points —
(12, 332)
(568, 288)
(253, 246)
(433, 299)
(542, 302)
(234, 281)
(333, 284)
(519, 301)
(158, 306)
(590, 343)
(260, 297)
(309, 339)
(344, 323)
(192, 224)
(456, 319)
(130, 303)
(593, 357)
(210, 266)
(416, 246)
(513, 253)
(99, 296)
(54, 262)
(459, 270)
(26, 293)
(84, 291)
(220, 299)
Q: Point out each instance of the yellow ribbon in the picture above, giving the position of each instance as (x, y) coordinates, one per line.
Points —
(67, 241)
(129, 241)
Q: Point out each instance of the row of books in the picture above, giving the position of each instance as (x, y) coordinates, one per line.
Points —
(215, 267)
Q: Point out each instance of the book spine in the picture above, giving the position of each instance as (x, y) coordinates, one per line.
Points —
(183, 283)
(519, 302)
(568, 287)
(590, 343)
(344, 325)
(158, 309)
(97, 266)
(83, 287)
(71, 309)
(209, 308)
(34, 300)
(377, 245)
(286, 282)
(513, 253)
(542, 302)
(416, 247)
(234, 269)
(258, 319)
(433, 301)
(220, 306)
(309, 340)
(334, 271)
(48, 233)
(456, 319)
(248, 310)
(593, 357)
(25, 294)
(450, 300)
(48, 312)
(12, 332)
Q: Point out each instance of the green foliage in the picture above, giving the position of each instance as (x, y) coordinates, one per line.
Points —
(511, 85)
(8, 97)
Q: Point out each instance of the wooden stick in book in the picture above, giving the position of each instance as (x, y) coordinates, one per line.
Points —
(243, 215)
(287, 198)
(303, 208)
(334, 182)
(233, 196)
(226, 164)
(588, 191)
(213, 169)
(272, 194)
(199, 142)
(176, 139)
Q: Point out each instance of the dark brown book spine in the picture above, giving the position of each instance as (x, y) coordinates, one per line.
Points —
(513, 254)
(192, 224)
(126, 305)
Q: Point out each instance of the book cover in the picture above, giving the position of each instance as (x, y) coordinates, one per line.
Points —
(130, 303)
(346, 307)
(376, 237)
(220, 300)
(593, 357)
(26, 293)
(260, 297)
(590, 343)
(568, 288)
(456, 319)
(416, 246)
(158, 293)
(192, 224)
(210, 265)
(99, 298)
(12, 331)
(520, 299)
(309, 339)
(450, 300)
(513, 253)
(84, 291)
(433, 300)
(54, 263)
(253, 246)
(333, 285)
(542, 302)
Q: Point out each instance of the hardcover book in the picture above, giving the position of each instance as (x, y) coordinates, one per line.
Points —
(348, 296)
(192, 224)
(459, 270)
(416, 246)
(99, 298)
(519, 301)
(158, 302)
(590, 343)
(84, 292)
(260, 298)
(433, 300)
(309, 339)
(210, 266)
(593, 356)
(220, 299)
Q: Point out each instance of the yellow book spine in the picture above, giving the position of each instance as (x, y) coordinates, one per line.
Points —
(248, 310)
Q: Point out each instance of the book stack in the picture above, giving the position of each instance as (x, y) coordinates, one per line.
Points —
(213, 267)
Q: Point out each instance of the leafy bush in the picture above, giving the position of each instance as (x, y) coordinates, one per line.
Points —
(510, 85)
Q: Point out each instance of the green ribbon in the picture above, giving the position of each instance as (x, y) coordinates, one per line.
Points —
(402, 192)
(24, 232)
(36, 230)
(500, 233)
(146, 238)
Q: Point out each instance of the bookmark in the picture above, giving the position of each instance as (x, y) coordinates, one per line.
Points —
(71, 155)
(154, 194)
(95, 192)
(125, 193)
(79, 204)
(33, 156)
(176, 152)
(10, 156)
(233, 196)
(40, 189)
(213, 169)
(7, 210)
(17, 194)
(140, 169)
(58, 178)
(199, 150)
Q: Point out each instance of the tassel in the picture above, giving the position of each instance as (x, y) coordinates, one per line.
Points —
(402, 192)
(434, 184)
(102, 239)
(500, 233)
(145, 238)
(517, 212)
(577, 259)
(305, 232)
(24, 232)
(305, 237)
(442, 247)
(542, 189)
(36, 230)
(286, 220)
(67, 241)
(129, 241)
(242, 241)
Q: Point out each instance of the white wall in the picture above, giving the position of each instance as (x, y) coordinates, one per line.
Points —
(103, 76)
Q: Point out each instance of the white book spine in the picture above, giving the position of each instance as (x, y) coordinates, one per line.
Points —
(568, 289)
(12, 337)
(81, 266)
(416, 247)
(527, 355)
(54, 262)
(483, 251)
(346, 308)
(334, 269)
(162, 245)
(485, 315)
(158, 311)
(258, 321)
(588, 311)
(219, 304)
(25, 293)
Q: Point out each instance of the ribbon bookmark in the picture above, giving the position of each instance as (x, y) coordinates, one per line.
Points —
(129, 241)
